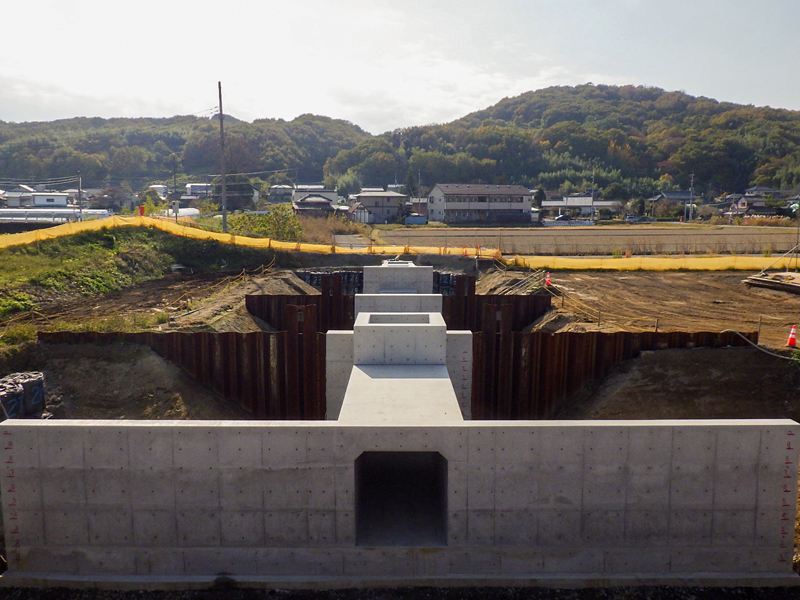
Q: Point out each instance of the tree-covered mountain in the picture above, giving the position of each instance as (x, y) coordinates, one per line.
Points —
(140, 151)
(639, 138)
(630, 140)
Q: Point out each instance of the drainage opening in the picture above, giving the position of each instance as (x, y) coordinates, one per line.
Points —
(401, 499)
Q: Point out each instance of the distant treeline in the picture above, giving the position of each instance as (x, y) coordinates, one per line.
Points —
(632, 141)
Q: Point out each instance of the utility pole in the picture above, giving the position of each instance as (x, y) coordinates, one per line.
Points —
(222, 163)
(691, 195)
(80, 204)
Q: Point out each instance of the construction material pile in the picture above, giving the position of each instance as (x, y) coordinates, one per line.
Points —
(22, 394)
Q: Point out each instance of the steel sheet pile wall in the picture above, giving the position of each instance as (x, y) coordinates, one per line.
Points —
(531, 375)
(272, 375)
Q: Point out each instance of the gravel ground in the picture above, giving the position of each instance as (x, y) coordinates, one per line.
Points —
(637, 593)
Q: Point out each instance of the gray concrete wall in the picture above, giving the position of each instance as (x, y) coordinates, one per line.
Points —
(407, 303)
(339, 365)
(524, 499)
(398, 277)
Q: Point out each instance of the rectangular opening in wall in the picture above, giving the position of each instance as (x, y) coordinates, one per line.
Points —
(401, 499)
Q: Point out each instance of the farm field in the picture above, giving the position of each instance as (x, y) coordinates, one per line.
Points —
(605, 240)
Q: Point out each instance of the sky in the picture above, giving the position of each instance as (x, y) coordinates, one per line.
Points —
(381, 65)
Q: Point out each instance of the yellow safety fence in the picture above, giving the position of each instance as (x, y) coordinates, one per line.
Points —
(643, 263)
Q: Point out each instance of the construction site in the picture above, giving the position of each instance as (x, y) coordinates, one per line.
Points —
(561, 346)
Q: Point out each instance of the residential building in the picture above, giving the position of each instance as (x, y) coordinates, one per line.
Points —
(314, 205)
(381, 206)
(19, 196)
(280, 193)
(582, 205)
(301, 191)
(479, 203)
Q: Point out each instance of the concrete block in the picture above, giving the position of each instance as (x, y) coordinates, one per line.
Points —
(319, 561)
(195, 447)
(286, 528)
(475, 562)
(63, 488)
(481, 446)
(64, 447)
(284, 446)
(694, 445)
(322, 489)
(573, 560)
(737, 445)
(155, 528)
(322, 528)
(646, 528)
(690, 527)
(402, 303)
(604, 486)
(240, 448)
(241, 489)
(634, 561)
(649, 445)
(111, 528)
(731, 560)
(560, 486)
(151, 490)
(150, 446)
(605, 446)
(344, 487)
(735, 486)
(227, 561)
(319, 444)
(433, 562)
(108, 488)
(27, 529)
(66, 528)
(390, 562)
(648, 486)
(457, 486)
(24, 491)
(480, 527)
(516, 528)
(563, 445)
(481, 488)
(157, 561)
(457, 535)
(559, 527)
(345, 527)
(692, 485)
(99, 561)
(516, 487)
(733, 527)
(106, 446)
(62, 561)
(398, 277)
(520, 445)
(197, 488)
(603, 527)
(199, 527)
(285, 488)
(521, 562)
(242, 528)
(22, 447)
(772, 527)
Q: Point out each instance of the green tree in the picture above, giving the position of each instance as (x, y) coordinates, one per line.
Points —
(280, 223)
(539, 197)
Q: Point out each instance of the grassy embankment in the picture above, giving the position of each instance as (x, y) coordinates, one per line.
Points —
(41, 276)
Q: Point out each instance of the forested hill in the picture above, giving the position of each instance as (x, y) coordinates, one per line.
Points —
(632, 140)
(141, 151)
(640, 138)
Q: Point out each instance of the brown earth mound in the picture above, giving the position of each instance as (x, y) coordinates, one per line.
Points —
(123, 381)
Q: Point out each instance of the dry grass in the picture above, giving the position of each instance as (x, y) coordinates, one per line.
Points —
(321, 230)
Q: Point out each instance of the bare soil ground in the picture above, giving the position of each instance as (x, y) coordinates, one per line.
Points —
(680, 301)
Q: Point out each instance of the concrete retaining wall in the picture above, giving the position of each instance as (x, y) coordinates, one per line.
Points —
(524, 499)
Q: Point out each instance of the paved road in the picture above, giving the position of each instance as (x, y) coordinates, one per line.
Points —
(351, 241)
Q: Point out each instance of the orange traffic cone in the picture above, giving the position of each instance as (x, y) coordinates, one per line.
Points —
(547, 279)
(792, 341)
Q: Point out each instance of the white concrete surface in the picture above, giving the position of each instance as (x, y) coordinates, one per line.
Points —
(406, 303)
(400, 395)
(398, 277)
(400, 339)
(650, 499)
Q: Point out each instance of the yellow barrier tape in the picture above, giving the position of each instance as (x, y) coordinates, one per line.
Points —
(636, 263)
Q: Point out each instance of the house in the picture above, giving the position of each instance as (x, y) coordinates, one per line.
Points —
(358, 213)
(19, 196)
(751, 206)
(479, 203)
(419, 205)
(49, 199)
(279, 194)
(300, 191)
(759, 190)
(583, 205)
(381, 206)
(314, 205)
